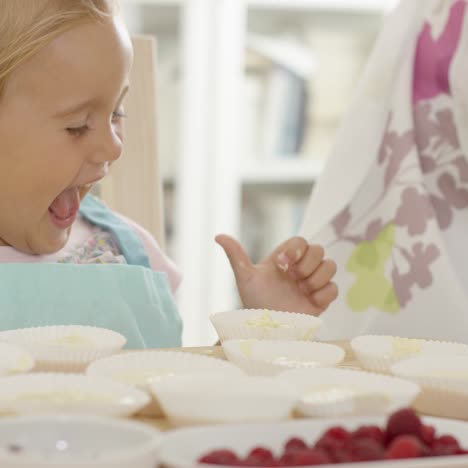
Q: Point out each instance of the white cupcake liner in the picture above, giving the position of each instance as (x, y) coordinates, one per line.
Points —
(130, 368)
(379, 353)
(209, 399)
(431, 374)
(68, 393)
(265, 324)
(373, 393)
(65, 348)
(448, 373)
(271, 357)
(14, 360)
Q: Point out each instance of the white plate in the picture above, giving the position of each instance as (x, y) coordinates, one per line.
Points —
(73, 441)
(194, 399)
(332, 392)
(71, 393)
(271, 357)
(265, 325)
(65, 348)
(14, 360)
(181, 448)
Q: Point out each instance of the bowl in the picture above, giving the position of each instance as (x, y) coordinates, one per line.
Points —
(265, 324)
(271, 357)
(209, 399)
(77, 441)
(65, 348)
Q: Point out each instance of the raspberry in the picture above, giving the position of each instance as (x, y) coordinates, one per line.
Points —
(261, 452)
(428, 434)
(335, 437)
(369, 432)
(445, 445)
(220, 457)
(252, 460)
(295, 444)
(403, 422)
(365, 449)
(311, 457)
(287, 459)
(406, 446)
(259, 456)
(340, 454)
(338, 433)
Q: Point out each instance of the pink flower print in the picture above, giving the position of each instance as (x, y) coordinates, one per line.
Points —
(373, 229)
(419, 272)
(395, 148)
(341, 221)
(427, 163)
(462, 168)
(425, 126)
(457, 197)
(415, 211)
(443, 212)
(447, 131)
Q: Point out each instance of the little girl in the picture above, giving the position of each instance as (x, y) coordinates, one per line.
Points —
(65, 258)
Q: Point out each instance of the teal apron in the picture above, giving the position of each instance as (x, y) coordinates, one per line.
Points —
(130, 299)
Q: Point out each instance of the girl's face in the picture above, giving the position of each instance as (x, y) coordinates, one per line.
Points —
(60, 129)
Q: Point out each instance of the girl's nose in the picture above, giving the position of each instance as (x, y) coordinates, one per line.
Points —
(108, 147)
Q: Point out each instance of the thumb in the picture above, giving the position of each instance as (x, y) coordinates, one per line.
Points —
(237, 256)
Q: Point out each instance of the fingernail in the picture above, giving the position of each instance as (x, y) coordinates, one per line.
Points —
(283, 261)
(298, 254)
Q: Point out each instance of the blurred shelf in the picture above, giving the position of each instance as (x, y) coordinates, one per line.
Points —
(289, 172)
(300, 5)
(332, 5)
(174, 3)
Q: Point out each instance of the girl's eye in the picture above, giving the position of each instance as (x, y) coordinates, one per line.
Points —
(117, 115)
(78, 131)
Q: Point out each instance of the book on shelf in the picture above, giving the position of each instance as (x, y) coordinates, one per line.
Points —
(278, 70)
(268, 219)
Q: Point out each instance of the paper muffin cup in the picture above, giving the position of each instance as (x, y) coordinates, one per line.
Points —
(438, 372)
(265, 324)
(442, 378)
(325, 392)
(142, 368)
(14, 360)
(271, 357)
(65, 348)
(68, 393)
(209, 399)
(379, 353)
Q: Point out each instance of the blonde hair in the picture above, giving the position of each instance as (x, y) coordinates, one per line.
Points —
(26, 26)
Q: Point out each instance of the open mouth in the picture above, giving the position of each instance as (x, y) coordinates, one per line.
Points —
(64, 209)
